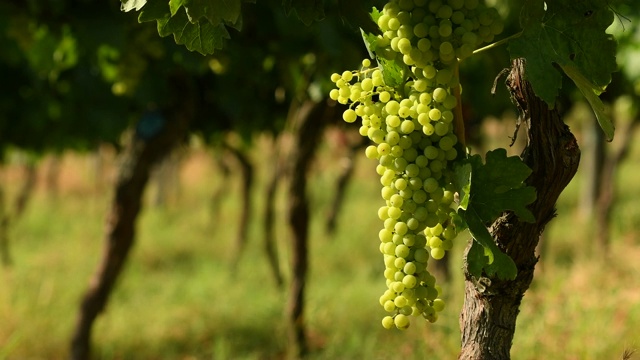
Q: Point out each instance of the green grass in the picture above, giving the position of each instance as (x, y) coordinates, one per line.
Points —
(178, 298)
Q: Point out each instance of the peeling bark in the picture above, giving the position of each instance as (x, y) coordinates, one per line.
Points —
(491, 307)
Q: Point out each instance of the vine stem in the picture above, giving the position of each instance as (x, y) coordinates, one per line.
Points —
(497, 43)
(457, 112)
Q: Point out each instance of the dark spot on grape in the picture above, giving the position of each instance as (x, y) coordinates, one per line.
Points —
(588, 13)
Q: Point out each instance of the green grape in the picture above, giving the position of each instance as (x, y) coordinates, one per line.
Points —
(384, 96)
(393, 24)
(402, 251)
(407, 126)
(444, 12)
(447, 116)
(444, 76)
(446, 143)
(389, 306)
(442, 129)
(471, 4)
(349, 115)
(371, 152)
(400, 301)
(437, 253)
(410, 155)
(440, 94)
(409, 268)
(394, 212)
(404, 45)
(401, 321)
(435, 114)
(388, 322)
(438, 305)
(384, 148)
(409, 281)
(445, 29)
(457, 17)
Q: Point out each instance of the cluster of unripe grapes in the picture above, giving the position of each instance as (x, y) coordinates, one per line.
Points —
(412, 130)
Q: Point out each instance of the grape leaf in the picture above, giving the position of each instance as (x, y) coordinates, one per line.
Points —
(485, 192)
(497, 186)
(199, 35)
(216, 11)
(128, 5)
(200, 25)
(591, 93)
(175, 5)
(568, 34)
(307, 10)
(202, 36)
(484, 253)
(392, 72)
(154, 10)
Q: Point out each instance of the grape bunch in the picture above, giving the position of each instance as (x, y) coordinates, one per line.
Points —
(411, 126)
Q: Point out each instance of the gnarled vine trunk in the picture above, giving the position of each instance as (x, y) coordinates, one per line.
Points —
(135, 168)
(491, 306)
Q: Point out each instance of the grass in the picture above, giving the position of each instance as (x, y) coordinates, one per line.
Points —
(178, 298)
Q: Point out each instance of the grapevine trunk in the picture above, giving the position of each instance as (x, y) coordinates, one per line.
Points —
(311, 120)
(491, 306)
(134, 172)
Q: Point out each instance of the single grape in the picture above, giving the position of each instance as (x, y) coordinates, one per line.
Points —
(349, 115)
(387, 322)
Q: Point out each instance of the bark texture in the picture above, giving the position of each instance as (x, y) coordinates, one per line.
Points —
(137, 162)
(491, 307)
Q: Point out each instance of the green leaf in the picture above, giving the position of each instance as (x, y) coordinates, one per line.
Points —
(155, 10)
(307, 10)
(570, 33)
(175, 5)
(591, 93)
(497, 186)
(215, 11)
(128, 5)
(370, 42)
(485, 192)
(493, 260)
(201, 36)
(463, 183)
(392, 73)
